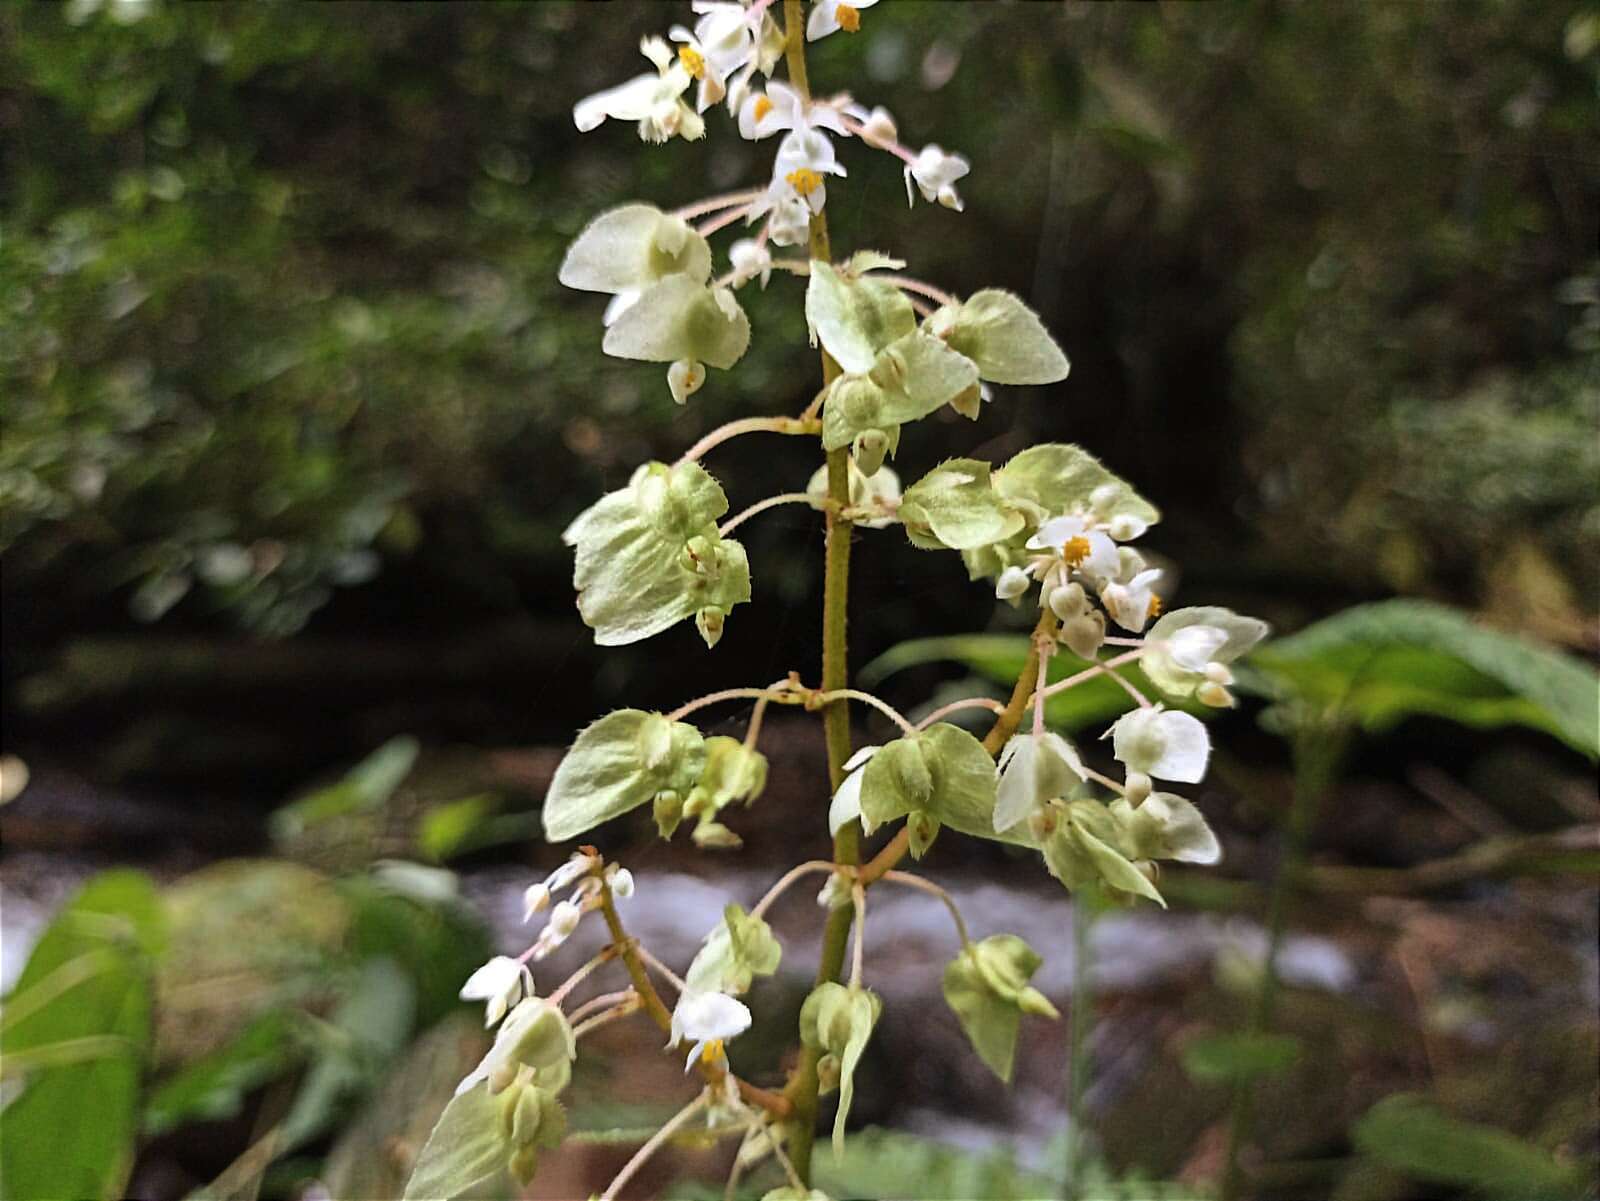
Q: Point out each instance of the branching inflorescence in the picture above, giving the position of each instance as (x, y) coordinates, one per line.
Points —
(1051, 525)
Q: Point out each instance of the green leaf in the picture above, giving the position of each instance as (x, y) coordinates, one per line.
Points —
(624, 760)
(215, 1087)
(468, 1154)
(1004, 337)
(955, 507)
(1379, 664)
(855, 318)
(679, 318)
(649, 555)
(437, 942)
(942, 772)
(71, 1131)
(629, 248)
(1059, 478)
(1410, 1133)
(366, 786)
(454, 827)
(1239, 1056)
(912, 377)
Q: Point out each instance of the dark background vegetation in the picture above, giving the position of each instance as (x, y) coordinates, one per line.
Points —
(294, 413)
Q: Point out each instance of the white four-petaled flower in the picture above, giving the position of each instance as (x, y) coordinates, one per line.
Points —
(830, 16)
(935, 171)
(1165, 743)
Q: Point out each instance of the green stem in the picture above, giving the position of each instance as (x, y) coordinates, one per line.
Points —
(802, 1089)
(1317, 750)
(1081, 1021)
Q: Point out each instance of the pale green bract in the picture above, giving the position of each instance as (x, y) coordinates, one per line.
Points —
(678, 318)
(1082, 850)
(1166, 826)
(956, 507)
(626, 759)
(987, 987)
(649, 555)
(839, 1021)
(855, 316)
(629, 248)
(732, 772)
(1165, 668)
(1060, 478)
(1003, 336)
(468, 1154)
(910, 378)
(739, 949)
(943, 773)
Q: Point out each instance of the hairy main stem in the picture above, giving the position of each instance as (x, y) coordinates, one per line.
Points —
(802, 1088)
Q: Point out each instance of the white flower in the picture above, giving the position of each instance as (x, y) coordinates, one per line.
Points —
(1077, 543)
(536, 899)
(1033, 772)
(935, 173)
(1187, 651)
(1167, 744)
(750, 258)
(654, 101)
(563, 921)
(805, 157)
(708, 1019)
(1134, 603)
(722, 43)
(846, 804)
(500, 983)
(789, 219)
(828, 16)
(780, 107)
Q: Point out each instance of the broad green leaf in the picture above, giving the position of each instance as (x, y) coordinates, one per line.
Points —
(855, 318)
(629, 248)
(955, 507)
(987, 987)
(649, 555)
(366, 786)
(1379, 664)
(215, 1087)
(1239, 1056)
(1060, 478)
(71, 1131)
(1410, 1133)
(919, 375)
(1001, 657)
(468, 1154)
(1004, 337)
(624, 760)
(455, 827)
(680, 318)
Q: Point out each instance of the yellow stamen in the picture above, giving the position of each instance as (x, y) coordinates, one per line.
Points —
(693, 61)
(712, 1052)
(764, 106)
(1075, 550)
(1155, 606)
(804, 180)
(849, 17)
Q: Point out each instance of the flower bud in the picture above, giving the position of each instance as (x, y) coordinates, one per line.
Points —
(684, 379)
(524, 1164)
(535, 899)
(1137, 788)
(1085, 634)
(668, 812)
(1102, 498)
(869, 449)
(714, 836)
(1215, 695)
(621, 881)
(1219, 673)
(923, 828)
(1069, 602)
(879, 128)
(1013, 582)
(835, 894)
(563, 920)
(1125, 527)
(709, 622)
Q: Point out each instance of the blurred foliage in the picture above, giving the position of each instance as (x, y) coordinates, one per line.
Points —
(280, 307)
